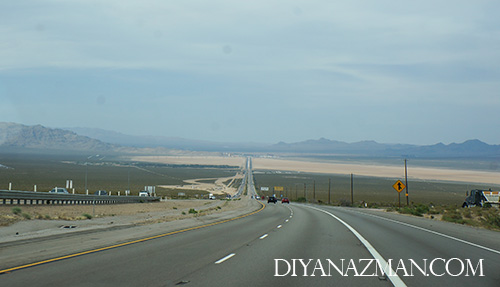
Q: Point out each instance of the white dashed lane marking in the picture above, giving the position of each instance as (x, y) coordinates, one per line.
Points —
(225, 258)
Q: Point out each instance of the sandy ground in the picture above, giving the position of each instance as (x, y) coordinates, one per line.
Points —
(202, 160)
(218, 187)
(425, 173)
(386, 171)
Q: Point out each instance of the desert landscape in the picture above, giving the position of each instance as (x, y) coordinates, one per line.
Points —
(223, 185)
(310, 166)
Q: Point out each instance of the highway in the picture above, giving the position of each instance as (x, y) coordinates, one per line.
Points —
(271, 246)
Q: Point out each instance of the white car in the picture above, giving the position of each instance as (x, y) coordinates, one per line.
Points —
(59, 190)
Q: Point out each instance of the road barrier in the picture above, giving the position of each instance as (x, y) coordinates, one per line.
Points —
(31, 197)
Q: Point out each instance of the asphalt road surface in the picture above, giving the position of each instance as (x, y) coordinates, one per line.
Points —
(259, 250)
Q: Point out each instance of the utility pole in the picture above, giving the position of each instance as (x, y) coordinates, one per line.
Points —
(352, 191)
(86, 172)
(314, 190)
(406, 183)
(329, 189)
(128, 180)
(305, 191)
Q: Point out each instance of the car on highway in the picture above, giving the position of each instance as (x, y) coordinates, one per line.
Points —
(100, 192)
(272, 199)
(285, 200)
(59, 190)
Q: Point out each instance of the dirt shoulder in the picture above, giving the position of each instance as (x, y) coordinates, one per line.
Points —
(44, 220)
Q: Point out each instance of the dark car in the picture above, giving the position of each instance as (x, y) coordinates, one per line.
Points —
(285, 200)
(101, 192)
(272, 199)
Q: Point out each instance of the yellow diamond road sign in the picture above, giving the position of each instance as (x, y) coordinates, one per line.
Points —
(399, 186)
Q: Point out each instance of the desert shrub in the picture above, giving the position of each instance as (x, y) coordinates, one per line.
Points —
(16, 210)
(193, 211)
(86, 215)
(417, 210)
(420, 209)
(492, 219)
(467, 213)
(345, 202)
(453, 216)
(301, 199)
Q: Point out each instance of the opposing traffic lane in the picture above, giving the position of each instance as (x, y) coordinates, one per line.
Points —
(163, 261)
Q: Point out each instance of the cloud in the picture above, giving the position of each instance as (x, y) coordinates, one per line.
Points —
(277, 57)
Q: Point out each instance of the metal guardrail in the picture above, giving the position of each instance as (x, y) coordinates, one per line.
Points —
(31, 197)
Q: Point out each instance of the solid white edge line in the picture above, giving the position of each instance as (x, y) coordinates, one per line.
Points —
(393, 276)
(264, 236)
(225, 258)
(433, 232)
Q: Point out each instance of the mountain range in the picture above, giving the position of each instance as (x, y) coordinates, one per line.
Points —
(18, 137)
(21, 137)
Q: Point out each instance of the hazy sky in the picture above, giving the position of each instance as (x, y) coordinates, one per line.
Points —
(418, 72)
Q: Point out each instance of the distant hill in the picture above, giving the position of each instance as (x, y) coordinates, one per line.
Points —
(20, 137)
(17, 136)
(470, 148)
(163, 141)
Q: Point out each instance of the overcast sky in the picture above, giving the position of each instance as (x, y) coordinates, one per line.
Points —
(418, 72)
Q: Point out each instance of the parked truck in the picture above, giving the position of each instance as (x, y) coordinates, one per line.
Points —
(479, 197)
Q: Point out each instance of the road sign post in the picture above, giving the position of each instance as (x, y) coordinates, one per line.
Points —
(399, 186)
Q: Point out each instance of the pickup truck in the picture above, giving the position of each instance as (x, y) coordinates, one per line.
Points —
(479, 197)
